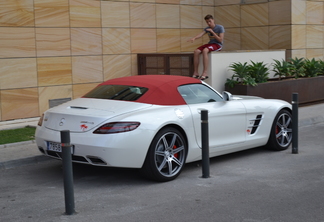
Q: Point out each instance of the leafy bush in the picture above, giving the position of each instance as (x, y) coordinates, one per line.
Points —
(282, 68)
(312, 67)
(322, 67)
(248, 74)
(298, 69)
(257, 72)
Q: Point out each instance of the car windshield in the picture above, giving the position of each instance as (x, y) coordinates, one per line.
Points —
(116, 92)
(198, 93)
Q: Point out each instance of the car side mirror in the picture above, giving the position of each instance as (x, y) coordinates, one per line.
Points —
(227, 96)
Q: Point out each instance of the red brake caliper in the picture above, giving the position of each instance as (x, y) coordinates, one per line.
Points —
(277, 131)
(176, 155)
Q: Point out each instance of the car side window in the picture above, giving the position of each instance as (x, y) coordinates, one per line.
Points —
(198, 93)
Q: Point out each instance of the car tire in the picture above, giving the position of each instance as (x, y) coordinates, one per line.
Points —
(166, 156)
(281, 131)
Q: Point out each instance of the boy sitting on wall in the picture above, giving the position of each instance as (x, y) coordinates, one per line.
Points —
(216, 36)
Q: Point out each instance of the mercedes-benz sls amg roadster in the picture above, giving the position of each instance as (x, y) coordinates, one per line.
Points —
(153, 123)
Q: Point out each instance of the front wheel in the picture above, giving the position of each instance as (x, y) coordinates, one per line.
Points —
(166, 156)
(281, 131)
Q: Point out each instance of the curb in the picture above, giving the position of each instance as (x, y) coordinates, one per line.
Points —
(17, 144)
(19, 123)
(17, 127)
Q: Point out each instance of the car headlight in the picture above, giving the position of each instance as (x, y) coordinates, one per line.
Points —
(116, 127)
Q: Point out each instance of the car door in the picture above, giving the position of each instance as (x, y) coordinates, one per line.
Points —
(226, 119)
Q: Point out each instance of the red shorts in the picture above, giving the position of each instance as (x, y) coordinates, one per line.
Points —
(211, 47)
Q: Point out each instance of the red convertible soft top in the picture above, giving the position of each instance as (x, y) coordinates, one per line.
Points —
(162, 88)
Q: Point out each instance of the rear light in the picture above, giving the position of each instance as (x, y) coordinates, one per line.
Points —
(117, 127)
(40, 121)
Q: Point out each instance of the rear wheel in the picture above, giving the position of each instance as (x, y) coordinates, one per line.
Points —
(166, 156)
(281, 131)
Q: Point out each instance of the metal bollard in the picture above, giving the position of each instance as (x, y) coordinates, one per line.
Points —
(67, 172)
(204, 143)
(295, 123)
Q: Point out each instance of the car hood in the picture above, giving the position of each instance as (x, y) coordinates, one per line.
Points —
(84, 114)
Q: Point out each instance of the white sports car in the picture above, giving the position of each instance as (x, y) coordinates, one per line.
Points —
(153, 122)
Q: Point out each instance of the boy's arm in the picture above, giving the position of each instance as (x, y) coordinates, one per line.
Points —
(197, 36)
(219, 37)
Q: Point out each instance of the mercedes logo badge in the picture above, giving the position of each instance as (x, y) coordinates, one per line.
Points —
(62, 122)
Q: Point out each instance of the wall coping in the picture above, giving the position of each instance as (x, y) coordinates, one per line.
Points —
(241, 51)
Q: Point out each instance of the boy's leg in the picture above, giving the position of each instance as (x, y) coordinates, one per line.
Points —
(205, 61)
(196, 63)
(209, 48)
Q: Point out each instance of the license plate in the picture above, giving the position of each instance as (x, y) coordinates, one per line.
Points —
(56, 147)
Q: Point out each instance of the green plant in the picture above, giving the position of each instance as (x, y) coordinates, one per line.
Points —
(322, 67)
(297, 68)
(282, 68)
(241, 72)
(231, 82)
(259, 71)
(312, 67)
(249, 81)
(246, 74)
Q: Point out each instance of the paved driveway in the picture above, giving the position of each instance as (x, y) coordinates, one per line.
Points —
(249, 186)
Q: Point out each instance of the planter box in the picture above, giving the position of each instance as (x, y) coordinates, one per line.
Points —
(309, 89)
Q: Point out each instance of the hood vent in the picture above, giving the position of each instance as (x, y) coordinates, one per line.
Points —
(78, 107)
(56, 102)
(256, 124)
